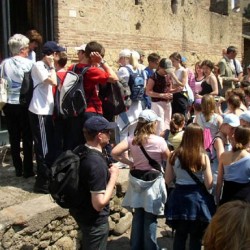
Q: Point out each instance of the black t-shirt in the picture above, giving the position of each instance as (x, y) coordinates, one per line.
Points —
(94, 176)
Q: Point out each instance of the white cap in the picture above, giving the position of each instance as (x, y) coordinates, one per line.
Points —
(149, 115)
(82, 47)
(245, 116)
(231, 119)
(125, 53)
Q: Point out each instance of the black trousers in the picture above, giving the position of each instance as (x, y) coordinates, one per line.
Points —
(43, 136)
(18, 126)
(179, 104)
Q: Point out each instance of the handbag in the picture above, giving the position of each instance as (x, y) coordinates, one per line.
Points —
(3, 89)
(209, 198)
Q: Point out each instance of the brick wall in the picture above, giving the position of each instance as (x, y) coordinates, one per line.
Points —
(194, 31)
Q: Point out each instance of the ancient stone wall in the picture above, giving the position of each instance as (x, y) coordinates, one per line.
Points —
(194, 31)
(35, 221)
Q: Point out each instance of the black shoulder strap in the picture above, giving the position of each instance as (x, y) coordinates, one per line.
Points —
(151, 161)
(196, 179)
(235, 66)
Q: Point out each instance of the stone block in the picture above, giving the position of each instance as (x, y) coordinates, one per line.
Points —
(123, 225)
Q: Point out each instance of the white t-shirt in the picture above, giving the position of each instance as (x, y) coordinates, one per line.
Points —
(42, 102)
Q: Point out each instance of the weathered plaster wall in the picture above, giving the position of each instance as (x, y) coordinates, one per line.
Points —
(194, 31)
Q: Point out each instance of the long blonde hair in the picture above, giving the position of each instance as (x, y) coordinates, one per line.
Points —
(208, 106)
(229, 228)
(134, 59)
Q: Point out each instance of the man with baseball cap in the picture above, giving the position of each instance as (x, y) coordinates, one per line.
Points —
(81, 54)
(97, 180)
(40, 112)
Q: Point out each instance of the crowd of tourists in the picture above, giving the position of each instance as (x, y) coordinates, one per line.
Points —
(185, 139)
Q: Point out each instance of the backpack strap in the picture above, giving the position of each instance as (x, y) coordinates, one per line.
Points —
(138, 71)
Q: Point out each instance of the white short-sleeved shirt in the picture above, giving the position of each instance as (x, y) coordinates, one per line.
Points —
(42, 102)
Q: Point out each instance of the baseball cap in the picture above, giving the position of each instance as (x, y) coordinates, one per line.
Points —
(232, 120)
(166, 64)
(149, 116)
(99, 123)
(51, 47)
(82, 47)
(245, 116)
(125, 53)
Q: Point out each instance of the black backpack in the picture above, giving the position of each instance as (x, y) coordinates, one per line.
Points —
(115, 97)
(27, 89)
(136, 84)
(64, 178)
(72, 96)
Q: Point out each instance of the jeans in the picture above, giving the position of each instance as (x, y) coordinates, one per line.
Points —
(194, 228)
(94, 237)
(143, 233)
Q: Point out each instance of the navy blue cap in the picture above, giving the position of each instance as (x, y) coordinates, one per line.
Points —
(50, 47)
(99, 123)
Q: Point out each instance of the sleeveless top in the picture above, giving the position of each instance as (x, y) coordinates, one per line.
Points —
(238, 171)
(212, 124)
(162, 85)
(205, 88)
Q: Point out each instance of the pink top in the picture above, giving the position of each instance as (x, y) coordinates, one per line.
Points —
(155, 148)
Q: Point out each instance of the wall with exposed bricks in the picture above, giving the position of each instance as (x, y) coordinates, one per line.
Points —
(194, 31)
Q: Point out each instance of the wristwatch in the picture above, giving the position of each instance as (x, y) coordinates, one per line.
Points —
(102, 62)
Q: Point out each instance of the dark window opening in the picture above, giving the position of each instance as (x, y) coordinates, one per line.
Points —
(219, 6)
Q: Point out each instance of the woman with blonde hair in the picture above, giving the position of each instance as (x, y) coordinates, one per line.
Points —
(146, 192)
(187, 209)
(208, 118)
(126, 121)
(234, 169)
(229, 228)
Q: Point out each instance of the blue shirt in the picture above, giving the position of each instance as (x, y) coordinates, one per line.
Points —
(238, 171)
